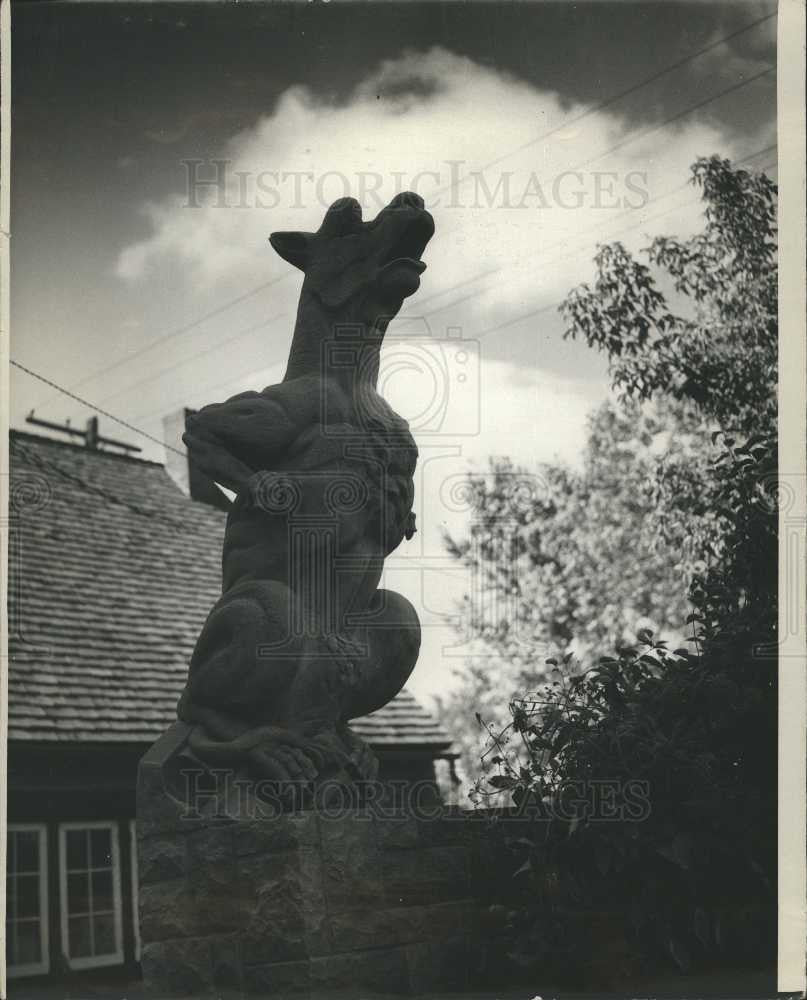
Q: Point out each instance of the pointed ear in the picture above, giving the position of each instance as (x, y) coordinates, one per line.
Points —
(293, 247)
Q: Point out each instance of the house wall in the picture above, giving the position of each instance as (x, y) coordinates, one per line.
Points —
(55, 785)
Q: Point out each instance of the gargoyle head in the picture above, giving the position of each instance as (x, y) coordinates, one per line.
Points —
(373, 266)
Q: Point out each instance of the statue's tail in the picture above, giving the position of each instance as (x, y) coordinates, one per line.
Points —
(218, 739)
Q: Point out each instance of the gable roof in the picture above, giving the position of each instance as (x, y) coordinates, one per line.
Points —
(112, 572)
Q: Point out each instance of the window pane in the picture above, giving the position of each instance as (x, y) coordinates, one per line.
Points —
(27, 896)
(29, 945)
(102, 890)
(23, 902)
(105, 934)
(101, 851)
(78, 893)
(27, 851)
(76, 848)
(80, 937)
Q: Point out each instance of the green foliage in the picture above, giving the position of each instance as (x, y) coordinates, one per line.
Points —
(651, 803)
(723, 360)
(722, 357)
(576, 558)
(698, 726)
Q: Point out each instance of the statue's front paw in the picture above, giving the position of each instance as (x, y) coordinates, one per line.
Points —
(295, 764)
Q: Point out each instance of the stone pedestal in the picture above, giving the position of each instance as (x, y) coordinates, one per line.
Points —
(346, 899)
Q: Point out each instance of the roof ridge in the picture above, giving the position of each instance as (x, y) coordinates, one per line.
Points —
(15, 432)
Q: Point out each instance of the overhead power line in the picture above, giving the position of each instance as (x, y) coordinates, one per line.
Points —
(472, 294)
(614, 98)
(510, 321)
(635, 136)
(607, 102)
(92, 406)
(500, 326)
(230, 380)
(643, 222)
(676, 117)
(186, 328)
(186, 361)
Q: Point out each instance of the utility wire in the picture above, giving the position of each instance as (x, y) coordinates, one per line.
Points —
(534, 312)
(651, 201)
(460, 284)
(596, 108)
(634, 136)
(230, 380)
(676, 117)
(186, 361)
(614, 98)
(623, 142)
(576, 237)
(186, 328)
(455, 302)
(501, 326)
(92, 406)
(642, 222)
(583, 233)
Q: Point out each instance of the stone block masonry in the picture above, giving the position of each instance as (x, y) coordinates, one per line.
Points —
(313, 902)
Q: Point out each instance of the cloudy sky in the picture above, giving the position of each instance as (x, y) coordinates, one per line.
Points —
(533, 131)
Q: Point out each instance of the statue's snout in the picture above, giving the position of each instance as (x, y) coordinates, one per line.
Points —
(407, 199)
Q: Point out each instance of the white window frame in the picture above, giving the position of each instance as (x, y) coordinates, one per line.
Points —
(36, 968)
(91, 961)
(135, 888)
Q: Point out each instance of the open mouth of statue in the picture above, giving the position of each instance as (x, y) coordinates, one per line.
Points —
(410, 245)
(418, 265)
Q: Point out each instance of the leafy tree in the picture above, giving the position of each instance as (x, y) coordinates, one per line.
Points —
(677, 484)
(576, 558)
(697, 876)
(723, 359)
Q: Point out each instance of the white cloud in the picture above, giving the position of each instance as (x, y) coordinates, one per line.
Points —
(531, 214)
(532, 417)
(412, 116)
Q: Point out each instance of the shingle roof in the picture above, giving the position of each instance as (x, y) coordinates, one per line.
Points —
(112, 571)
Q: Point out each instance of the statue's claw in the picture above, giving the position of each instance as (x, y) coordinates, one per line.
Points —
(297, 764)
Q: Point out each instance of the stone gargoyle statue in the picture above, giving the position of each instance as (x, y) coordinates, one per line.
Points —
(302, 638)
